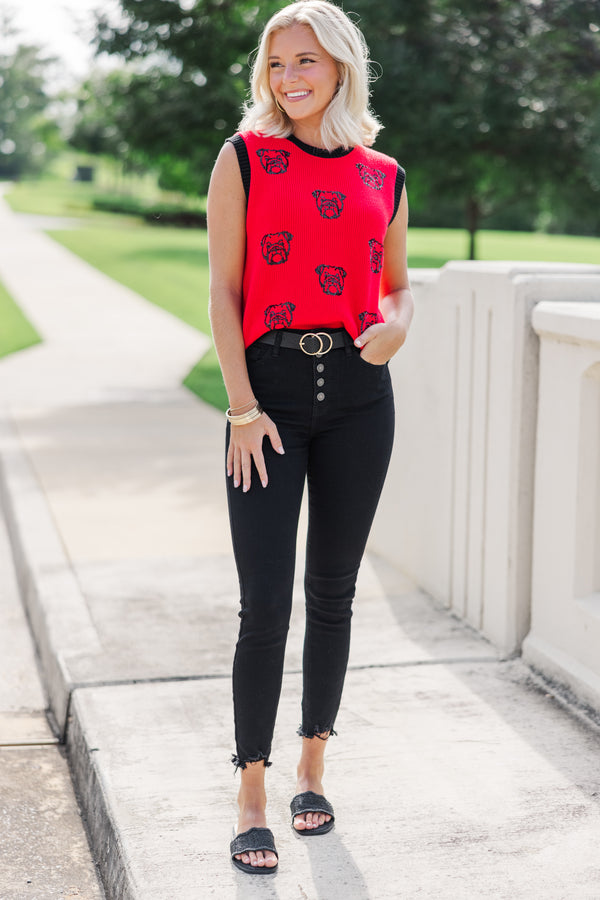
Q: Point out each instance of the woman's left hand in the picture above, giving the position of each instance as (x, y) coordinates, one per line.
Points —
(381, 341)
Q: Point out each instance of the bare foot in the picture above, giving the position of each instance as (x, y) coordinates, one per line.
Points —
(252, 801)
(310, 774)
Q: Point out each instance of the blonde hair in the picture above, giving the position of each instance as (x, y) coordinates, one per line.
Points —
(347, 121)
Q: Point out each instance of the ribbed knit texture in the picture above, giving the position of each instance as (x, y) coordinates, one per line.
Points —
(315, 228)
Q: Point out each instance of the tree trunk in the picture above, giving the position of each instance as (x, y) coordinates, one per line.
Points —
(473, 216)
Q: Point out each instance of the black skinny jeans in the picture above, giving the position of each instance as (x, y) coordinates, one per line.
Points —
(335, 416)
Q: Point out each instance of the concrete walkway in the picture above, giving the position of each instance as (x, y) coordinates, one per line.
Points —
(43, 848)
(455, 774)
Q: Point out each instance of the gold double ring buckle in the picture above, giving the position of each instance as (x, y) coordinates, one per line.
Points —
(319, 335)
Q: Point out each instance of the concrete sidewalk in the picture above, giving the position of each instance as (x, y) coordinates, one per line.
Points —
(455, 773)
(43, 848)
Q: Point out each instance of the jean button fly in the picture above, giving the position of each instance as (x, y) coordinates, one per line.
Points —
(320, 382)
(320, 367)
(320, 396)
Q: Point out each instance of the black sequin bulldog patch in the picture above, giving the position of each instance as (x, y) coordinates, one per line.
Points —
(279, 315)
(331, 279)
(373, 178)
(366, 319)
(376, 255)
(329, 203)
(274, 162)
(276, 247)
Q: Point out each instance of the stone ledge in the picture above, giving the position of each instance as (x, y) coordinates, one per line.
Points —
(577, 684)
(577, 322)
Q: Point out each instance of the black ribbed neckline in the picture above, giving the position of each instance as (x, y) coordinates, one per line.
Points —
(319, 151)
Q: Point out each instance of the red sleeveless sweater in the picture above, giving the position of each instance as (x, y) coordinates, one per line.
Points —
(315, 226)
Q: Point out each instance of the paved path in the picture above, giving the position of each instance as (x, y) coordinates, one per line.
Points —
(454, 775)
(43, 847)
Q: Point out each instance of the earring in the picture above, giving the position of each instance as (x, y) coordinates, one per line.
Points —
(279, 106)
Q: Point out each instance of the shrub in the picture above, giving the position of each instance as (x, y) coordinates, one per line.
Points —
(155, 214)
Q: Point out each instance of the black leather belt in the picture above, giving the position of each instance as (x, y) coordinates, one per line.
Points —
(313, 343)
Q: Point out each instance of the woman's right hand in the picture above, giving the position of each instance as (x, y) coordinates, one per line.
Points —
(245, 445)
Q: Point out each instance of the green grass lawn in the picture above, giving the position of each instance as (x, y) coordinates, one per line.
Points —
(206, 381)
(168, 266)
(16, 332)
(57, 194)
(433, 247)
(52, 197)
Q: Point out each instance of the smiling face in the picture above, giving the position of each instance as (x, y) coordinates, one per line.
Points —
(303, 77)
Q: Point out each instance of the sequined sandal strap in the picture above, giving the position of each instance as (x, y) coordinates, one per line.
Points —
(311, 802)
(252, 840)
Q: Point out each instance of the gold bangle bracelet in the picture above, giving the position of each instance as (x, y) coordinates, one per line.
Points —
(230, 414)
(245, 418)
(233, 409)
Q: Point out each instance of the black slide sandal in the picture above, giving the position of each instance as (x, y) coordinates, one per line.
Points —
(252, 840)
(313, 803)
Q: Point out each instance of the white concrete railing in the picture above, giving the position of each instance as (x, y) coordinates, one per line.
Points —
(457, 512)
(564, 641)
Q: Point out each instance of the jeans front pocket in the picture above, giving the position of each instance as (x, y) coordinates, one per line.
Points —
(257, 352)
(371, 365)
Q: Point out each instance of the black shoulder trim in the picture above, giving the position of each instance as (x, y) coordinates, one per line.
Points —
(243, 159)
(400, 179)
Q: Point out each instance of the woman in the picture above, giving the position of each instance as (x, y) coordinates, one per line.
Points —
(309, 300)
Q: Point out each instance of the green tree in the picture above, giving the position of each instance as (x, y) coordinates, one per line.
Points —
(105, 117)
(489, 102)
(190, 77)
(28, 136)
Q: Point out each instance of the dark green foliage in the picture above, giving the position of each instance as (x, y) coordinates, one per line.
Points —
(155, 214)
(491, 102)
(186, 98)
